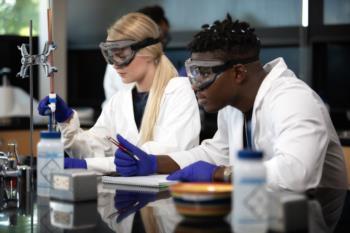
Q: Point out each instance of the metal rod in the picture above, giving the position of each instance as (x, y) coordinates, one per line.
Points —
(31, 102)
(50, 60)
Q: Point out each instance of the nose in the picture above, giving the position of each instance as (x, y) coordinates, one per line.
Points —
(117, 68)
(199, 94)
(195, 88)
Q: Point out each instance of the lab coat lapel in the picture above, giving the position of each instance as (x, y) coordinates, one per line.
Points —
(274, 69)
(238, 134)
(130, 112)
(234, 119)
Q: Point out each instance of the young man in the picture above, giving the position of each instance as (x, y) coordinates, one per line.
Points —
(289, 122)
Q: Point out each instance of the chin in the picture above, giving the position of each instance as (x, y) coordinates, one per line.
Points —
(125, 79)
(210, 109)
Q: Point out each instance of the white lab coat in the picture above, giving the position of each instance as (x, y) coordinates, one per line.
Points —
(290, 124)
(112, 83)
(177, 127)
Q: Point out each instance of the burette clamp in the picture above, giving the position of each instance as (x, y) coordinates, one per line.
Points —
(38, 59)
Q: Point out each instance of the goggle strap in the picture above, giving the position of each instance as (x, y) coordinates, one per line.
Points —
(228, 64)
(146, 42)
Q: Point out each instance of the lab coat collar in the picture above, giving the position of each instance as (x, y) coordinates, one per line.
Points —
(274, 69)
(175, 83)
(129, 110)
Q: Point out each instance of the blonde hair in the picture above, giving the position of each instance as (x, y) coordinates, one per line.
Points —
(137, 26)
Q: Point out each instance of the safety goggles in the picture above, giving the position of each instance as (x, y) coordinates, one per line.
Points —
(122, 52)
(203, 73)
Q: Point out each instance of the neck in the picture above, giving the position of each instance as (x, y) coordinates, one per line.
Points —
(145, 83)
(255, 78)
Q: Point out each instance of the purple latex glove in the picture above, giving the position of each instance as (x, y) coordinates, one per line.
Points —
(128, 202)
(62, 113)
(128, 166)
(74, 163)
(196, 172)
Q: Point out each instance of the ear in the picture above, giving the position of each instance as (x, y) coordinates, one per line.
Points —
(149, 59)
(240, 73)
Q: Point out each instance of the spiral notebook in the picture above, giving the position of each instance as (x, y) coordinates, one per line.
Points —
(154, 181)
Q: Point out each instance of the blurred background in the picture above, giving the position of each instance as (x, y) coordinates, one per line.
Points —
(313, 36)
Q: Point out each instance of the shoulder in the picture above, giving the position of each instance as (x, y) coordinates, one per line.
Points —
(119, 97)
(293, 98)
(290, 89)
(177, 84)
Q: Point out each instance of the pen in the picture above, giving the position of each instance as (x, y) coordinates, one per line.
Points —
(120, 146)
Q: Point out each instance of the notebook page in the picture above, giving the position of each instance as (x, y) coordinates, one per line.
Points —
(157, 181)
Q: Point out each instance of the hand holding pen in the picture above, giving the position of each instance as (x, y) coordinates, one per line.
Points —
(115, 142)
(127, 164)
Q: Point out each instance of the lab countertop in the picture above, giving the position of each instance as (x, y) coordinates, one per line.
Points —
(328, 211)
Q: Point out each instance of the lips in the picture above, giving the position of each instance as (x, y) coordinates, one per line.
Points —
(202, 101)
(122, 74)
(201, 98)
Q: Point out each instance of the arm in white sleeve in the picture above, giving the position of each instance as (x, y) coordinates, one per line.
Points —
(213, 150)
(301, 140)
(81, 143)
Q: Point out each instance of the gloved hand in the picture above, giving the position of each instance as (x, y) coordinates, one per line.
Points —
(74, 163)
(128, 202)
(62, 113)
(128, 166)
(196, 172)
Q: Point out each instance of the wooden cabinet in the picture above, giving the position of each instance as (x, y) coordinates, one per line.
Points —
(346, 150)
(22, 138)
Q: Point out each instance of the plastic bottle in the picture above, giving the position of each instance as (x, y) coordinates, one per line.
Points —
(249, 197)
(50, 158)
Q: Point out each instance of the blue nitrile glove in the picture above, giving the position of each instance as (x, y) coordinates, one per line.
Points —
(74, 163)
(62, 113)
(128, 166)
(128, 202)
(196, 172)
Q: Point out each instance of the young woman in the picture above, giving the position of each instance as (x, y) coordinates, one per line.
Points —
(159, 113)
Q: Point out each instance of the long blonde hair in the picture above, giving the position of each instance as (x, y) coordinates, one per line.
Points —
(137, 26)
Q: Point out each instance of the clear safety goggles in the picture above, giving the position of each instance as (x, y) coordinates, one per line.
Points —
(122, 52)
(202, 73)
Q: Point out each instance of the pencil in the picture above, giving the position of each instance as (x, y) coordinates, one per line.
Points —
(120, 146)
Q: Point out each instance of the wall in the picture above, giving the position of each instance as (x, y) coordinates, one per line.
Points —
(88, 19)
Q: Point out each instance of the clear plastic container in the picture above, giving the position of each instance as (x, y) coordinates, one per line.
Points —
(50, 159)
(249, 197)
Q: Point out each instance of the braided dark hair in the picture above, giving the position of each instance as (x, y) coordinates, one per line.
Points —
(156, 13)
(232, 39)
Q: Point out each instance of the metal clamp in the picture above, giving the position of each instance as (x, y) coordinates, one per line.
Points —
(39, 59)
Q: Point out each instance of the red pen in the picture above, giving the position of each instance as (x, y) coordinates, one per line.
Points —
(120, 146)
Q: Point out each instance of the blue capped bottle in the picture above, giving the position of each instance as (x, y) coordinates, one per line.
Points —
(50, 159)
(250, 198)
